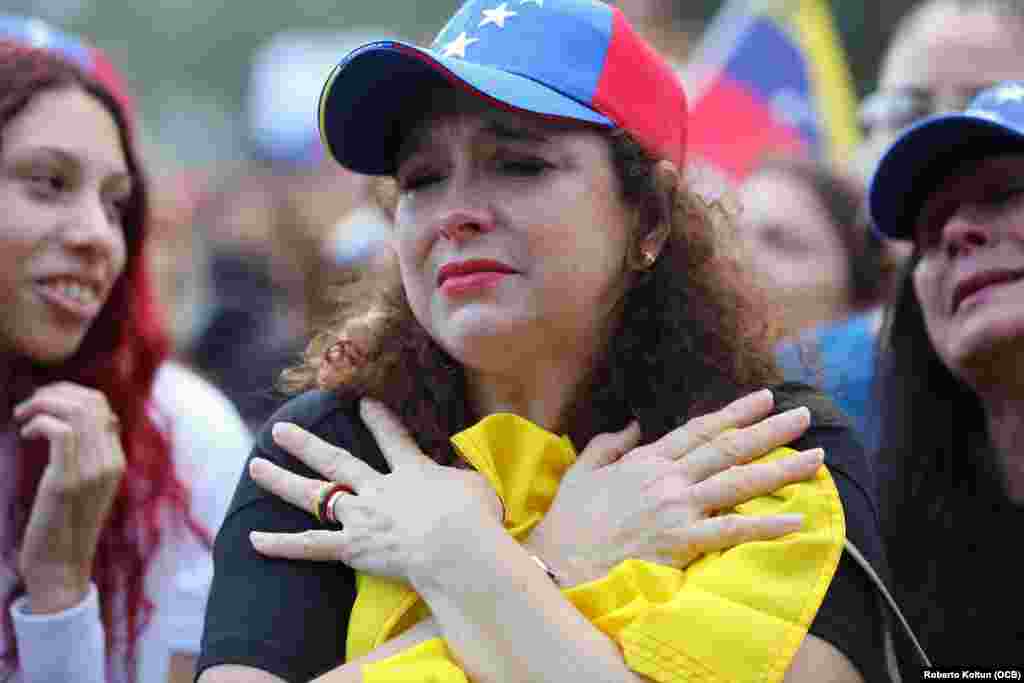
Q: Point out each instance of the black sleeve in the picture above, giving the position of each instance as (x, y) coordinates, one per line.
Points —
(850, 618)
(286, 617)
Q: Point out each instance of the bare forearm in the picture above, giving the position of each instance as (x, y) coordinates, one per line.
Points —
(505, 621)
(351, 672)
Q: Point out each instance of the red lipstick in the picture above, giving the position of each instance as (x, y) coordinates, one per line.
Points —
(475, 275)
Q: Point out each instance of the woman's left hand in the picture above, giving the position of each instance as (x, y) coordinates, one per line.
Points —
(391, 526)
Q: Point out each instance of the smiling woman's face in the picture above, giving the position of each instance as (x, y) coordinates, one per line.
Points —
(63, 178)
(511, 235)
(969, 278)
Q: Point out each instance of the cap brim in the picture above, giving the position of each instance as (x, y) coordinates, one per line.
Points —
(921, 158)
(378, 90)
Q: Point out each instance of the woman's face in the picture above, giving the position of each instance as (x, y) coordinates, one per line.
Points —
(970, 276)
(63, 178)
(794, 249)
(511, 235)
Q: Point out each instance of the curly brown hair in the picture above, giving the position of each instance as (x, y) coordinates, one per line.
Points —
(691, 334)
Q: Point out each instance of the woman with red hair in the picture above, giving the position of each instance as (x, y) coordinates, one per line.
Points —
(107, 550)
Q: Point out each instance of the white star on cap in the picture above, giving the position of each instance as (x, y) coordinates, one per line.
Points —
(1010, 93)
(39, 34)
(539, 3)
(451, 22)
(457, 48)
(498, 15)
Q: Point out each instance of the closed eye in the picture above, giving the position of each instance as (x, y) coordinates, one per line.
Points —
(524, 167)
(418, 180)
(1004, 197)
(780, 238)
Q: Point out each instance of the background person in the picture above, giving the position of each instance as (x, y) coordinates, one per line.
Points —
(805, 238)
(950, 463)
(282, 231)
(940, 53)
(554, 277)
(84, 345)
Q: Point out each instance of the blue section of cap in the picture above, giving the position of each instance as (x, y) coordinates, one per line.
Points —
(561, 43)
(37, 33)
(928, 152)
(776, 68)
(379, 90)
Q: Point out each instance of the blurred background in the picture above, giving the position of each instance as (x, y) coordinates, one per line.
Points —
(255, 228)
(190, 62)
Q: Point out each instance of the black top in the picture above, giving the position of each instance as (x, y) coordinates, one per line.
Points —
(290, 618)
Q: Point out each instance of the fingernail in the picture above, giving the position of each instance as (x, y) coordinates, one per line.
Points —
(816, 455)
(802, 412)
(281, 430)
(258, 538)
(796, 521)
(765, 394)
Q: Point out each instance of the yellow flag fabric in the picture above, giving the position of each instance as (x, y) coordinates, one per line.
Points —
(730, 617)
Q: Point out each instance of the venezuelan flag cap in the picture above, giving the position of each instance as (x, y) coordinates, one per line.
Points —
(34, 32)
(930, 151)
(576, 60)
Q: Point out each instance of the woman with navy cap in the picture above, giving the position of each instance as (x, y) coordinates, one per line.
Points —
(557, 285)
(952, 377)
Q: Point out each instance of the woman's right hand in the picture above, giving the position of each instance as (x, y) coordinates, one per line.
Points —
(658, 502)
(75, 494)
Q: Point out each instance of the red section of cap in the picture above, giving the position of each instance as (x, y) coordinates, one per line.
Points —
(104, 71)
(734, 130)
(640, 92)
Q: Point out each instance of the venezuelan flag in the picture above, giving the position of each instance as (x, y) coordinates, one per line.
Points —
(770, 76)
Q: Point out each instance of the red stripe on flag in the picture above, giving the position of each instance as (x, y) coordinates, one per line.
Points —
(734, 130)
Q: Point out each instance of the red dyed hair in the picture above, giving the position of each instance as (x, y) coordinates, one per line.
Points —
(118, 356)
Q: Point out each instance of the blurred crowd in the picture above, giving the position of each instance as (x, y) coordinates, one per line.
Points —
(246, 262)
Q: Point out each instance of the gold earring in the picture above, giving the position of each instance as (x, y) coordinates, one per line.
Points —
(648, 258)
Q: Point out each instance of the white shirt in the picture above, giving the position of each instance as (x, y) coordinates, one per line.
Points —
(210, 443)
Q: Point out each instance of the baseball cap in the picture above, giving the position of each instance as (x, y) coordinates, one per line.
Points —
(575, 60)
(35, 32)
(927, 153)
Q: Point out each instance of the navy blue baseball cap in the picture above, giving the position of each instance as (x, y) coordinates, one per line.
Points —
(930, 151)
(576, 60)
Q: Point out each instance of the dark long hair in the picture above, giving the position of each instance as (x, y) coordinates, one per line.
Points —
(690, 338)
(945, 513)
(119, 356)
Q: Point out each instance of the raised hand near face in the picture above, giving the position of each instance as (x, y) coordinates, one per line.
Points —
(75, 494)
